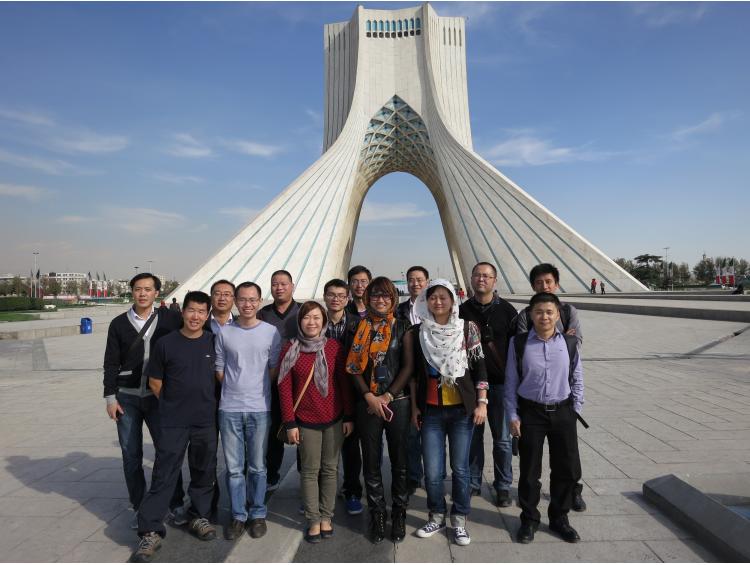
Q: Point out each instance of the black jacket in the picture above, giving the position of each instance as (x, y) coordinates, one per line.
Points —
(125, 371)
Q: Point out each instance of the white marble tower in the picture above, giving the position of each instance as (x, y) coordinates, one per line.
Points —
(396, 100)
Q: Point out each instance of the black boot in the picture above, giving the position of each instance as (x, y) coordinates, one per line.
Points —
(377, 526)
(398, 524)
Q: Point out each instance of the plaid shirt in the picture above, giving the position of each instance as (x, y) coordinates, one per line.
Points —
(337, 331)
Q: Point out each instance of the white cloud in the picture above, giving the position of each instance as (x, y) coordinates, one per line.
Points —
(85, 141)
(252, 148)
(31, 193)
(316, 117)
(142, 220)
(177, 179)
(246, 214)
(387, 212)
(476, 13)
(185, 145)
(26, 117)
(73, 220)
(50, 166)
(662, 14)
(525, 149)
(710, 124)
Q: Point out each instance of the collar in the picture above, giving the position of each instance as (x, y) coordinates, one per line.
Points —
(533, 334)
(137, 317)
(229, 321)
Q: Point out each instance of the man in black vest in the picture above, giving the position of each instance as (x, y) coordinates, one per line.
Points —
(494, 316)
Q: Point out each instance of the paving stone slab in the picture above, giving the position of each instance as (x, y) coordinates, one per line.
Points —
(681, 551)
(560, 552)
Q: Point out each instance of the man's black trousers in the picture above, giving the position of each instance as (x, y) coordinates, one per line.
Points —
(200, 443)
(559, 427)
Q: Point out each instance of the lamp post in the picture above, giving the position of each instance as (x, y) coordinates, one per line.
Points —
(666, 267)
(136, 269)
(150, 270)
(34, 287)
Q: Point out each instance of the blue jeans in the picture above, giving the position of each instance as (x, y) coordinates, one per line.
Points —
(437, 423)
(130, 434)
(244, 437)
(502, 454)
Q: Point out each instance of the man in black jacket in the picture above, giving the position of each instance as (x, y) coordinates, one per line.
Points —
(494, 316)
(130, 402)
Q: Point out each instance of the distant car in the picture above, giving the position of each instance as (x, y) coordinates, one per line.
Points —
(716, 286)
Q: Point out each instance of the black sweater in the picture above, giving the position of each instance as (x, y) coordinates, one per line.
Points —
(120, 336)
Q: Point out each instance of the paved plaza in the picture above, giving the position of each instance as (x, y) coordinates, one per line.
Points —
(653, 410)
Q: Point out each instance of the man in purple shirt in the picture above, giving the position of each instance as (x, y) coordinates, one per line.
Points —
(542, 403)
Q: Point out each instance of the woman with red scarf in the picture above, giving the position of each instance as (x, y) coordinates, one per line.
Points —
(380, 360)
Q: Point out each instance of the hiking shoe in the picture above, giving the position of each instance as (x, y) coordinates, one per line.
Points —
(353, 506)
(234, 530)
(503, 498)
(202, 528)
(430, 529)
(178, 516)
(258, 527)
(148, 546)
(461, 536)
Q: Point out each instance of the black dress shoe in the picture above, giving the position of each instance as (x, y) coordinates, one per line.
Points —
(377, 527)
(258, 528)
(312, 538)
(398, 525)
(503, 498)
(578, 503)
(526, 532)
(234, 530)
(476, 491)
(564, 530)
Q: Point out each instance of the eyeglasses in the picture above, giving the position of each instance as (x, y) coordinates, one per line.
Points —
(336, 296)
(356, 282)
(248, 300)
(380, 295)
(218, 294)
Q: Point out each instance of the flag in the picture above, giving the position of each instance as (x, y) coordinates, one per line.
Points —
(104, 276)
(88, 277)
(97, 275)
(37, 274)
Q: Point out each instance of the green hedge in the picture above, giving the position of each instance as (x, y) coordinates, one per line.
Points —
(15, 303)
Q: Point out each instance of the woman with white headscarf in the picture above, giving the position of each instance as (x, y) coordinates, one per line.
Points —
(451, 398)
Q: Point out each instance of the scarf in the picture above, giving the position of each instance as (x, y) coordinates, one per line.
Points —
(443, 344)
(308, 345)
(371, 341)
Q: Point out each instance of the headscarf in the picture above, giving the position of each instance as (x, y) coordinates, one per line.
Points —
(308, 345)
(443, 344)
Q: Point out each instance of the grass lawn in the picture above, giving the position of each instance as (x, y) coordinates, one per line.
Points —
(17, 317)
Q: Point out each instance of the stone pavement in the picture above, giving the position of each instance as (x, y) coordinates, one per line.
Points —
(652, 409)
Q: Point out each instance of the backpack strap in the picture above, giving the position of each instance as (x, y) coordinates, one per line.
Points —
(519, 343)
(565, 316)
(572, 343)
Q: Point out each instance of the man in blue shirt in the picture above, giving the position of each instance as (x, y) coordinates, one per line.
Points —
(543, 402)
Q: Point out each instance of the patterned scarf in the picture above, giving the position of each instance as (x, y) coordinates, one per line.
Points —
(371, 341)
(308, 345)
(443, 345)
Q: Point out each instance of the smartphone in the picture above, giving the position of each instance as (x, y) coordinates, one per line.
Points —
(388, 413)
(514, 445)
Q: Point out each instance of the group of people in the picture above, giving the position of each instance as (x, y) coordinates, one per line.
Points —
(334, 380)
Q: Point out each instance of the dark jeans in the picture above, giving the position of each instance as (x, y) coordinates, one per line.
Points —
(130, 433)
(416, 471)
(371, 429)
(559, 427)
(200, 443)
(351, 455)
(502, 451)
(437, 424)
(275, 453)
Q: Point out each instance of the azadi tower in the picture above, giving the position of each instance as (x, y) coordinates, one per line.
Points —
(396, 99)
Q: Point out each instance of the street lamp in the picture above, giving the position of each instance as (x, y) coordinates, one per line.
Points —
(666, 267)
(149, 266)
(34, 288)
(136, 269)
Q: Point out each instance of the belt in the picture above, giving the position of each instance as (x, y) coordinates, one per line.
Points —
(549, 407)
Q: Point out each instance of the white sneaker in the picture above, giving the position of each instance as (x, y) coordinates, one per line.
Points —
(430, 529)
(178, 516)
(461, 536)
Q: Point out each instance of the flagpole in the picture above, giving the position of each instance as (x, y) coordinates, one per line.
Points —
(35, 287)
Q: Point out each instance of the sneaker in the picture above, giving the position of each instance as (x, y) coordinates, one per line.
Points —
(430, 529)
(178, 516)
(134, 521)
(353, 506)
(461, 536)
(150, 543)
(202, 528)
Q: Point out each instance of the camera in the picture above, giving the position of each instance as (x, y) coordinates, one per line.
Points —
(381, 374)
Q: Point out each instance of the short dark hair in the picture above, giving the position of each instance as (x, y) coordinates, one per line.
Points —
(544, 269)
(309, 306)
(485, 263)
(141, 276)
(338, 283)
(418, 268)
(381, 284)
(542, 297)
(282, 272)
(198, 297)
(221, 281)
(248, 284)
(430, 291)
(174, 299)
(356, 270)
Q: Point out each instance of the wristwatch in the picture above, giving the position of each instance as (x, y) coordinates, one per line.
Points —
(483, 400)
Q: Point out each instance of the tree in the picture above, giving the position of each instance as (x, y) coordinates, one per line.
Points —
(17, 286)
(168, 286)
(681, 273)
(648, 269)
(626, 264)
(51, 286)
(71, 287)
(741, 268)
(705, 270)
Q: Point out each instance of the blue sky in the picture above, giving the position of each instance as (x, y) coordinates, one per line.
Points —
(137, 132)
